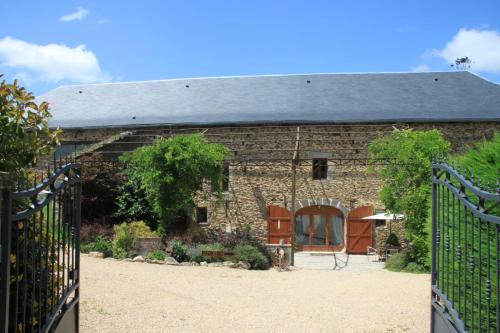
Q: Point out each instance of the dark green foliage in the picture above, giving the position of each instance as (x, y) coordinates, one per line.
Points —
(172, 170)
(179, 251)
(251, 255)
(132, 204)
(392, 240)
(157, 255)
(100, 244)
(25, 134)
(407, 181)
(99, 191)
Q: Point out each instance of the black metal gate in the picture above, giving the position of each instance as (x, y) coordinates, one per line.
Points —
(40, 246)
(465, 252)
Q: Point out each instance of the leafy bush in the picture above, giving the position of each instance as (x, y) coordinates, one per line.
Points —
(156, 255)
(140, 229)
(100, 244)
(392, 240)
(402, 262)
(413, 267)
(125, 235)
(251, 255)
(26, 135)
(132, 204)
(179, 251)
(397, 262)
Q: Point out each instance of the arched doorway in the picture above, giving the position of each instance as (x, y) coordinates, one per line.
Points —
(319, 228)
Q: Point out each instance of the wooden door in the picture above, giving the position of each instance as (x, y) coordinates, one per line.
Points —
(319, 231)
(279, 225)
(359, 231)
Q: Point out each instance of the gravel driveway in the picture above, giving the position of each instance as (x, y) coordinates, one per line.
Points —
(137, 297)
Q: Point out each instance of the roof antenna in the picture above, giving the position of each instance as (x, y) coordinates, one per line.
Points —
(462, 64)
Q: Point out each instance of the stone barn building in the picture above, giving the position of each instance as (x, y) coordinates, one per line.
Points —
(298, 143)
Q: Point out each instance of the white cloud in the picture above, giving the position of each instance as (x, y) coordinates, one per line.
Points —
(103, 20)
(421, 68)
(51, 62)
(79, 14)
(481, 46)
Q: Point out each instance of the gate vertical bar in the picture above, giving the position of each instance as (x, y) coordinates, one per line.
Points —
(78, 215)
(433, 265)
(5, 239)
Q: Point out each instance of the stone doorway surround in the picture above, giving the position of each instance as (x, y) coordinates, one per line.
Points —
(299, 204)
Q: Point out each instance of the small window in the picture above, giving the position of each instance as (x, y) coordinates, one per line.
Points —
(201, 215)
(320, 168)
(379, 223)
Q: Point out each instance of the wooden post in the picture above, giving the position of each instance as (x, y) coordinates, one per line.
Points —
(295, 161)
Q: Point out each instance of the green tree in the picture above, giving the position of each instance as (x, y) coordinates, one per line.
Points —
(407, 180)
(482, 159)
(172, 170)
(24, 132)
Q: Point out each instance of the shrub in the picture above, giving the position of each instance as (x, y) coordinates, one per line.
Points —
(100, 244)
(397, 262)
(179, 251)
(125, 235)
(132, 204)
(392, 240)
(26, 135)
(251, 255)
(140, 229)
(413, 267)
(156, 255)
(237, 237)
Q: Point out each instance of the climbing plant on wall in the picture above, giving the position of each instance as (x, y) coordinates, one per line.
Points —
(172, 170)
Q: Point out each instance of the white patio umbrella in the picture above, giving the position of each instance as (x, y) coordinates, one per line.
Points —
(384, 216)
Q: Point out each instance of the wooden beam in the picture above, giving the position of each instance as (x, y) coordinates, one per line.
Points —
(295, 162)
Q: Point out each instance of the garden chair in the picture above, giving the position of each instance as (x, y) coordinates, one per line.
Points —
(372, 252)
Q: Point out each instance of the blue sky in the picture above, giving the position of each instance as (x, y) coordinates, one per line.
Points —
(49, 43)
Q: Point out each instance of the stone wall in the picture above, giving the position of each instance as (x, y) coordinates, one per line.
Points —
(260, 165)
(144, 245)
(382, 232)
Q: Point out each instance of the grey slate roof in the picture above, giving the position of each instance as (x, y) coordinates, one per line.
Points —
(332, 98)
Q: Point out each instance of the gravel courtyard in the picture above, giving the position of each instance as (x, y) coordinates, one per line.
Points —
(137, 297)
